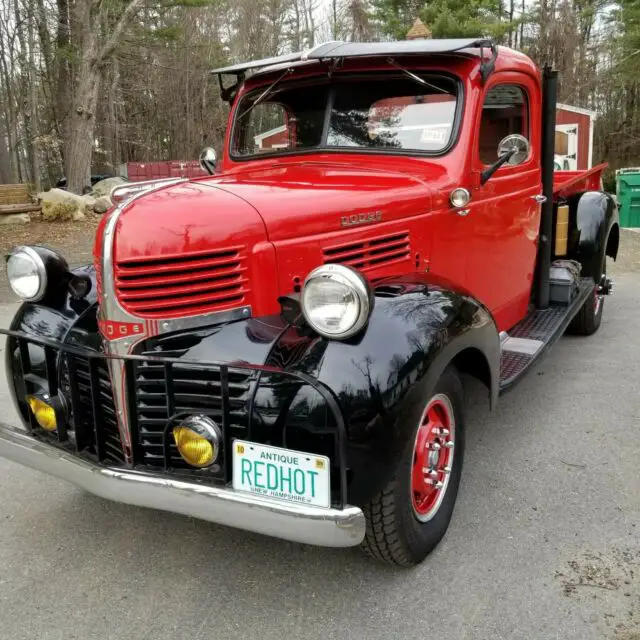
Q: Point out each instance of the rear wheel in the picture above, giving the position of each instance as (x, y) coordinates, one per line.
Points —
(408, 518)
(587, 321)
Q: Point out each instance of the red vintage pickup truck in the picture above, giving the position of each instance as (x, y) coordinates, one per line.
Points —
(279, 346)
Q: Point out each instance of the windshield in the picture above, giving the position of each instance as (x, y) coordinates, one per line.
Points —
(384, 113)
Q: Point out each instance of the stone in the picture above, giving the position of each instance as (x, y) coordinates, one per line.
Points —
(61, 196)
(104, 187)
(16, 218)
(102, 205)
(58, 204)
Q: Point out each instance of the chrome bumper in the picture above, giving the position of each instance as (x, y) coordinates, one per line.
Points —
(311, 525)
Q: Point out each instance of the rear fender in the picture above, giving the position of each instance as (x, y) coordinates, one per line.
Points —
(593, 231)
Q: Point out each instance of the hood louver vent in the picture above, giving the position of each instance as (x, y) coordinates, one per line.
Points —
(199, 282)
(371, 253)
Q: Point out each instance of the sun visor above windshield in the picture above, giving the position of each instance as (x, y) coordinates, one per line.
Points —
(333, 50)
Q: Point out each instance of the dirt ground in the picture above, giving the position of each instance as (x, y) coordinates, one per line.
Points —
(74, 240)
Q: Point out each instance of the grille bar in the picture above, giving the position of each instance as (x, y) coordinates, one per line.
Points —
(371, 253)
(87, 424)
(202, 282)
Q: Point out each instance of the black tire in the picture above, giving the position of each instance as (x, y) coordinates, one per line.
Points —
(587, 321)
(394, 533)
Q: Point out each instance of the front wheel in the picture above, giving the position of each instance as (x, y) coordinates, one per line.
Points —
(408, 518)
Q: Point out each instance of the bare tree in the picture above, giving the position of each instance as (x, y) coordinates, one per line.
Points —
(96, 45)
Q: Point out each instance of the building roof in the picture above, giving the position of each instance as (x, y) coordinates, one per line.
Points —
(333, 50)
(418, 31)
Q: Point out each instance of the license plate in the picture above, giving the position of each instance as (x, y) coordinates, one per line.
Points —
(290, 476)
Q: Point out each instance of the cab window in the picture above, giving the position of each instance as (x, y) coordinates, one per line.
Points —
(504, 112)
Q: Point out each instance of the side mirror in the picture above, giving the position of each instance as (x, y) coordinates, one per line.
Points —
(517, 144)
(513, 150)
(209, 160)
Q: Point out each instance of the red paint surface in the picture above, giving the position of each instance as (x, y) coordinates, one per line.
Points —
(567, 182)
(253, 232)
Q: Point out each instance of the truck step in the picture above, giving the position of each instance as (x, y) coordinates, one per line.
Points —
(533, 336)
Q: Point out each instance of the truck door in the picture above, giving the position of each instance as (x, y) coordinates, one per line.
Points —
(504, 212)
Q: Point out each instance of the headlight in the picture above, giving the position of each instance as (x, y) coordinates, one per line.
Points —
(32, 271)
(27, 274)
(336, 301)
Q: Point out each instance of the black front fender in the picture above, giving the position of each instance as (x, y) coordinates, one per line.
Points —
(53, 319)
(384, 378)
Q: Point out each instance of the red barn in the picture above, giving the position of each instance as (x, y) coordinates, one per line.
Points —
(574, 137)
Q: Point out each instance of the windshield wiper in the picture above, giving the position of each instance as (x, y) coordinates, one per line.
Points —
(265, 93)
(414, 77)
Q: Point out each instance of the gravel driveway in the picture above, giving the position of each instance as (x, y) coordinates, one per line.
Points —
(544, 542)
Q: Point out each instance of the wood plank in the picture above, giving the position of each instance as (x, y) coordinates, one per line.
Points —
(14, 194)
(19, 208)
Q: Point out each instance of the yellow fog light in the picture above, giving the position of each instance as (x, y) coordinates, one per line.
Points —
(44, 414)
(198, 440)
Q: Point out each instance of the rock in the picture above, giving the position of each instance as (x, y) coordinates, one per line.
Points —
(104, 187)
(102, 205)
(58, 204)
(16, 218)
(61, 196)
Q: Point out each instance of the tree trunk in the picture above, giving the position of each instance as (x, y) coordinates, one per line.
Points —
(82, 123)
(25, 89)
(82, 117)
(511, 9)
(33, 95)
(9, 120)
(63, 75)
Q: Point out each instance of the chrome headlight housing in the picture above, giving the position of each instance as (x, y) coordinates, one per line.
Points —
(336, 301)
(31, 269)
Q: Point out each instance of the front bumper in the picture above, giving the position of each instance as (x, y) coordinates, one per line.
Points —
(298, 523)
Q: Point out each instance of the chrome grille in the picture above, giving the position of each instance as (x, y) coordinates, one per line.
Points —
(189, 389)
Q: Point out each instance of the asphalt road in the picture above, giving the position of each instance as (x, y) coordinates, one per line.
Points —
(544, 542)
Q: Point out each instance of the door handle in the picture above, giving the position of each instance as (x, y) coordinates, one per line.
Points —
(540, 199)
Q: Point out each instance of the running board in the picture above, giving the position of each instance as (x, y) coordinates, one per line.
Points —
(532, 337)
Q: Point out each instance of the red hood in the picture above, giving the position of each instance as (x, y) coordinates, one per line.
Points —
(186, 218)
(308, 198)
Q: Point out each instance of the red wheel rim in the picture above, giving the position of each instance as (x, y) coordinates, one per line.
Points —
(433, 455)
